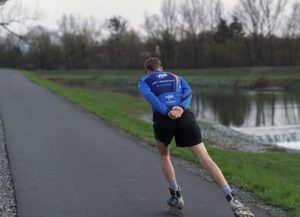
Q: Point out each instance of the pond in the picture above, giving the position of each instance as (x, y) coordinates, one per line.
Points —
(272, 116)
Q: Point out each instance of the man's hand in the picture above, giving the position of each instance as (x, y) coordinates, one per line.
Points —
(176, 112)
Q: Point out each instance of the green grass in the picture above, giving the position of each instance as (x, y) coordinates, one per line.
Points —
(273, 177)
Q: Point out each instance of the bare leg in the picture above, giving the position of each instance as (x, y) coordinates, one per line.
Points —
(165, 161)
(210, 166)
(214, 171)
(176, 202)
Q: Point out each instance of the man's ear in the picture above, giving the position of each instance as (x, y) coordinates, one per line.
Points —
(161, 68)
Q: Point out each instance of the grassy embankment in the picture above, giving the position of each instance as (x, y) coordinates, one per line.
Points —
(273, 177)
(283, 77)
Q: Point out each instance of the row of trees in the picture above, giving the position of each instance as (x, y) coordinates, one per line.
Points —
(194, 34)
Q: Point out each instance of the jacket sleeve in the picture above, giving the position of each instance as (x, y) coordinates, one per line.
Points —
(155, 102)
(186, 94)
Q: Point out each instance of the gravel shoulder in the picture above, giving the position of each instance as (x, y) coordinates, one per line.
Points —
(220, 136)
(7, 194)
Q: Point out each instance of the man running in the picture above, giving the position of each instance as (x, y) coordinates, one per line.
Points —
(170, 97)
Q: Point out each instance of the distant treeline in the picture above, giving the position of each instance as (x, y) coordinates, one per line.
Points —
(194, 34)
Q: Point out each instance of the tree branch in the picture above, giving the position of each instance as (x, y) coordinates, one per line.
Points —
(15, 14)
(2, 2)
(12, 32)
(21, 37)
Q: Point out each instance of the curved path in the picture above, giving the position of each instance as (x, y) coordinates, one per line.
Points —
(67, 163)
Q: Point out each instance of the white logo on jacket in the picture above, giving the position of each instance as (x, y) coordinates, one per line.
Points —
(161, 75)
(170, 98)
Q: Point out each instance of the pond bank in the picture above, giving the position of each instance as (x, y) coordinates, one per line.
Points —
(261, 84)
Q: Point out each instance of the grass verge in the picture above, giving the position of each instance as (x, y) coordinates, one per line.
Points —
(273, 177)
(235, 73)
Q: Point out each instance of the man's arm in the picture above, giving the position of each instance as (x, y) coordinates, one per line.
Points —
(185, 102)
(151, 98)
(187, 94)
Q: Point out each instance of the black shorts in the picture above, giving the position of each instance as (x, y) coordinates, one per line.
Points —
(185, 129)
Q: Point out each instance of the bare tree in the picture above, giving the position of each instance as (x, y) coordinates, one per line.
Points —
(151, 26)
(215, 12)
(152, 29)
(250, 16)
(78, 37)
(165, 23)
(292, 34)
(292, 29)
(2, 2)
(162, 32)
(14, 14)
(77, 24)
(273, 12)
(11, 52)
(193, 16)
(261, 18)
(249, 13)
(169, 17)
(194, 21)
(44, 52)
(168, 32)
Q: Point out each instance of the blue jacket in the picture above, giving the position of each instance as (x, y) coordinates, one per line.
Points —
(163, 90)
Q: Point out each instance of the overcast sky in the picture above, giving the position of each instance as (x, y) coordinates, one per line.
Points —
(133, 10)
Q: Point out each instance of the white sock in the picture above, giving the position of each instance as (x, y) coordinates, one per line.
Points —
(173, 185)
(228, 192)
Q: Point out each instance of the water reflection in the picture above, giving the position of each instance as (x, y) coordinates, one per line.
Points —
(244, 108)
(270, 116)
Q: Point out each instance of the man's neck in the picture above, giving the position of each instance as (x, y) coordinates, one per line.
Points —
(155, 70)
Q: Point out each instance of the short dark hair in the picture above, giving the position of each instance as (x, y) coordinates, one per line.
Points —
(152, 63)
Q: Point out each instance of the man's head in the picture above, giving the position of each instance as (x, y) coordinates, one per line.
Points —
(152, 64)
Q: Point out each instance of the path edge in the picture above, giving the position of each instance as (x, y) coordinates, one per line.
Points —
(8, 205)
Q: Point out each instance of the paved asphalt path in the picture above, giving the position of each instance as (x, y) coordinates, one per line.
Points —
(67, 163)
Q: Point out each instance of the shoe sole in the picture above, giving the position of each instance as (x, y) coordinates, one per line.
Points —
(244, 213)
(178, 211)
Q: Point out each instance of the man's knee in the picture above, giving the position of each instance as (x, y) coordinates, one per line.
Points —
(164, 153)
(201, 152)
(163, 149)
